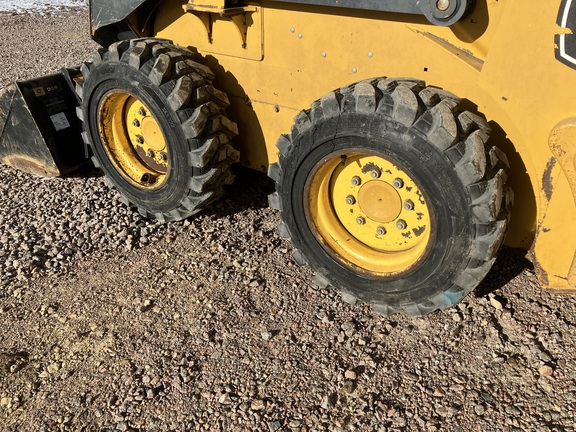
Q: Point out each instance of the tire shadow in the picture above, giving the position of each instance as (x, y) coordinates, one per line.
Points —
(249, 191)
(86, 171)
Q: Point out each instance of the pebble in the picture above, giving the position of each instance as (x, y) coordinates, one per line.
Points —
(54, 367)
(350, 374)
(257, 405)
(495, 303)
(273, 426)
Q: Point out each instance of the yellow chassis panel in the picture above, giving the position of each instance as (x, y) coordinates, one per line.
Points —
(276, 60)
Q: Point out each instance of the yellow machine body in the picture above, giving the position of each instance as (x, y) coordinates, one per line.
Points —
(274, 60)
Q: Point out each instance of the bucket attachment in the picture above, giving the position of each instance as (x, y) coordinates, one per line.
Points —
(39, 131)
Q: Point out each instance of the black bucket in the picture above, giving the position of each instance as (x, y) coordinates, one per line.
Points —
(39, 131)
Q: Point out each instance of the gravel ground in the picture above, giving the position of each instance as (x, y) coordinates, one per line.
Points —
(112, 322)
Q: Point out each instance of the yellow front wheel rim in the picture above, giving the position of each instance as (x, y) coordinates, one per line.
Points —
(133, 140)
(369, 212)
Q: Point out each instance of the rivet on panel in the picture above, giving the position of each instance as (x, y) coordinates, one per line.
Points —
(354, 70)
(324, 54)
(370, 55)
(292, 29)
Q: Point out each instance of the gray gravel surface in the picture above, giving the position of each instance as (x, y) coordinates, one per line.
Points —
(112, 322)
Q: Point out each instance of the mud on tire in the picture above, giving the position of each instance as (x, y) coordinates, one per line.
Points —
(443, 150)
(187, 110)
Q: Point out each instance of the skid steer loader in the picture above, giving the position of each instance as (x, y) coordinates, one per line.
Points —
(408, 139)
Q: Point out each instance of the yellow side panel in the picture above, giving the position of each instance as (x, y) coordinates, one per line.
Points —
(304, 57)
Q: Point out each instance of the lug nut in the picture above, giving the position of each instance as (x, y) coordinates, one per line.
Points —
(163, 157)
(150, 154)
(398, 183)
(360, 220)
(350, 200)
(140, 139)
(356, 181)
(442, 5)
(375, 174)
(136, 123)
(408, 205)
(142, 112)
(401, 224)
(380, 230)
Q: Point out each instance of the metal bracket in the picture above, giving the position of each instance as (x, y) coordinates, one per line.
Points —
(208, 13)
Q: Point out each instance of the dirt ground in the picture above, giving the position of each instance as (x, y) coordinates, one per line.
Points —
(207, 324)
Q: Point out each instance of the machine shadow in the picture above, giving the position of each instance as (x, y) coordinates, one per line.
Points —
(510, 263)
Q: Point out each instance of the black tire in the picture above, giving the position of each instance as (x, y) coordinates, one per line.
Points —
(189, 112)
(444, 150)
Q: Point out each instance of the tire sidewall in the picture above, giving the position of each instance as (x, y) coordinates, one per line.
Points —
(120, 76)
(446, 198)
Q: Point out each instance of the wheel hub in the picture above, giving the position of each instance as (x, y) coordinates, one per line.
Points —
(133, 140)
(379, 201)
(152, 134)
(369, 212)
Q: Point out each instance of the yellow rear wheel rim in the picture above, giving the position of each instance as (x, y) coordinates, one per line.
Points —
(369, 212)
(133, 140)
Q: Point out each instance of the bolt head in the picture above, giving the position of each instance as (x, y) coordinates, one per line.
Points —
(356, 181)
(408, 205)
(375, 174)
(150, 154)
(401, 224)
(163, 156)
(140, 139)
(350, 200)
(142, 112)
(398, 183)
(360, 220)
(443, 5)
(380, 230)
(136, 123)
